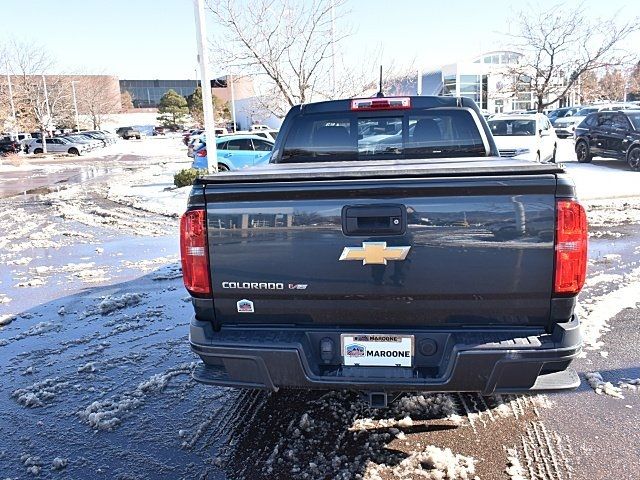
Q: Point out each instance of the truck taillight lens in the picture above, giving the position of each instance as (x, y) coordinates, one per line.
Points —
(571, 248)
(193, 250)
(202, 153)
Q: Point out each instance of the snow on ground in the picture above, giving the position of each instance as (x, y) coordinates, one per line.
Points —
(595, 312)
(603, 181)
(601, 387)
(514, 467)
(40, 393)
(603, 278)
(433, 464)
(108, 414)
(608, 213)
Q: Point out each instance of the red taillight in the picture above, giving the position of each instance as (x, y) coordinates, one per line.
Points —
(202, 153)
(193, 249)
(571, 248)
(400, 103)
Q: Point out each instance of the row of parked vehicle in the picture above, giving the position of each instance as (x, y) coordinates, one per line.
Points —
(73, 143)
(609, 130)
(565, 120)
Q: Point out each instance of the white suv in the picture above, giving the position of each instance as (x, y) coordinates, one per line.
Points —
(528, 137)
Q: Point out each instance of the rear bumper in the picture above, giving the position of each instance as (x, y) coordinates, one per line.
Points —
(486, 361)
(564, 132)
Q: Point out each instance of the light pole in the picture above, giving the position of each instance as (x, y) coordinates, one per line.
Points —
(333, 51)
(48, 125)
(233, 104)
(75, 103)
(207, 101)
(46, 100)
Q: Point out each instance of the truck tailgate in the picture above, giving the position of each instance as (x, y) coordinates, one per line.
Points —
(479, 250)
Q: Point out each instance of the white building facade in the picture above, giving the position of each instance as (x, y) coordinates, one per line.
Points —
(487, 81)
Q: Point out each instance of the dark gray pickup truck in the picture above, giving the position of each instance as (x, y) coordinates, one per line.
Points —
(386, 247)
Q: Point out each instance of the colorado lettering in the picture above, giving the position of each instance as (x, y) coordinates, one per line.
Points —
(253, 285)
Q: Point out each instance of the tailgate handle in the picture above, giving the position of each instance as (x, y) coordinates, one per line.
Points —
(374, 220)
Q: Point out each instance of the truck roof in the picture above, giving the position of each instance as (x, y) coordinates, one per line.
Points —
(416, 102)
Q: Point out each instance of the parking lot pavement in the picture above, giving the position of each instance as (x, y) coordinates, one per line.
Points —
(95, 371)
(600, 179)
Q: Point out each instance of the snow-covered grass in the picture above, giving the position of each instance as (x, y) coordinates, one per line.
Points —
(152, 190)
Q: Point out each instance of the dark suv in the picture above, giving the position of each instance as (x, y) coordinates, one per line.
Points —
(610, 134)
(128, 133)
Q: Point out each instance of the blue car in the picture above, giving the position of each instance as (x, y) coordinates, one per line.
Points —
(234, 152)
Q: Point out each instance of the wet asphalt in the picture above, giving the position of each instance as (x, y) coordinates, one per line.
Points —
(95, 374)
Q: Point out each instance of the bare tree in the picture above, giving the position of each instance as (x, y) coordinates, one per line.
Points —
(126, 101)
(39, 100)
(560, 45)
(285, 42)
(613, 85)
(633, 81)
(97, 98)
(589, 87)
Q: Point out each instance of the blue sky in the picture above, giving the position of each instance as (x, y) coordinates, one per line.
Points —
(147, 39)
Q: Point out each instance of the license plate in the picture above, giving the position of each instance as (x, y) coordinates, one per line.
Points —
(377, 350)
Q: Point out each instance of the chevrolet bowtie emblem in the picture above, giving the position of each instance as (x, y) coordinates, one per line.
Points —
(374, 253)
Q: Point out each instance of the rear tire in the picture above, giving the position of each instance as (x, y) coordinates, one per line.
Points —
(37, 151)
(582, 152)
(633, 159)
(137, 137)
(73, 151)
(222, 167)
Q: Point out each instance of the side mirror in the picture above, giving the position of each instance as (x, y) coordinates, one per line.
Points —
(544, 133)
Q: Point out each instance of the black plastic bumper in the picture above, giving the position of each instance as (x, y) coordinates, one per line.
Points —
(496, 360)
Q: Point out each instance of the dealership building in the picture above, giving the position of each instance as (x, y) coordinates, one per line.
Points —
(147, 94)
(486, 80)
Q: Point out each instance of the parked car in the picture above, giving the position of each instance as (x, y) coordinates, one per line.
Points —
(434, 265)
(528, 137)
(610, 134)
(258, 127)
(128, 133)
(234, 152)
(187, 136)
(57, 145)
(566, 126)
(563, 112)
(91, 143)
(270, 134)
(9, 146)
(195, 141)
(107, 137)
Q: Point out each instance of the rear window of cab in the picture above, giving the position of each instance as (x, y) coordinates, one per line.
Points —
(343, 136)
